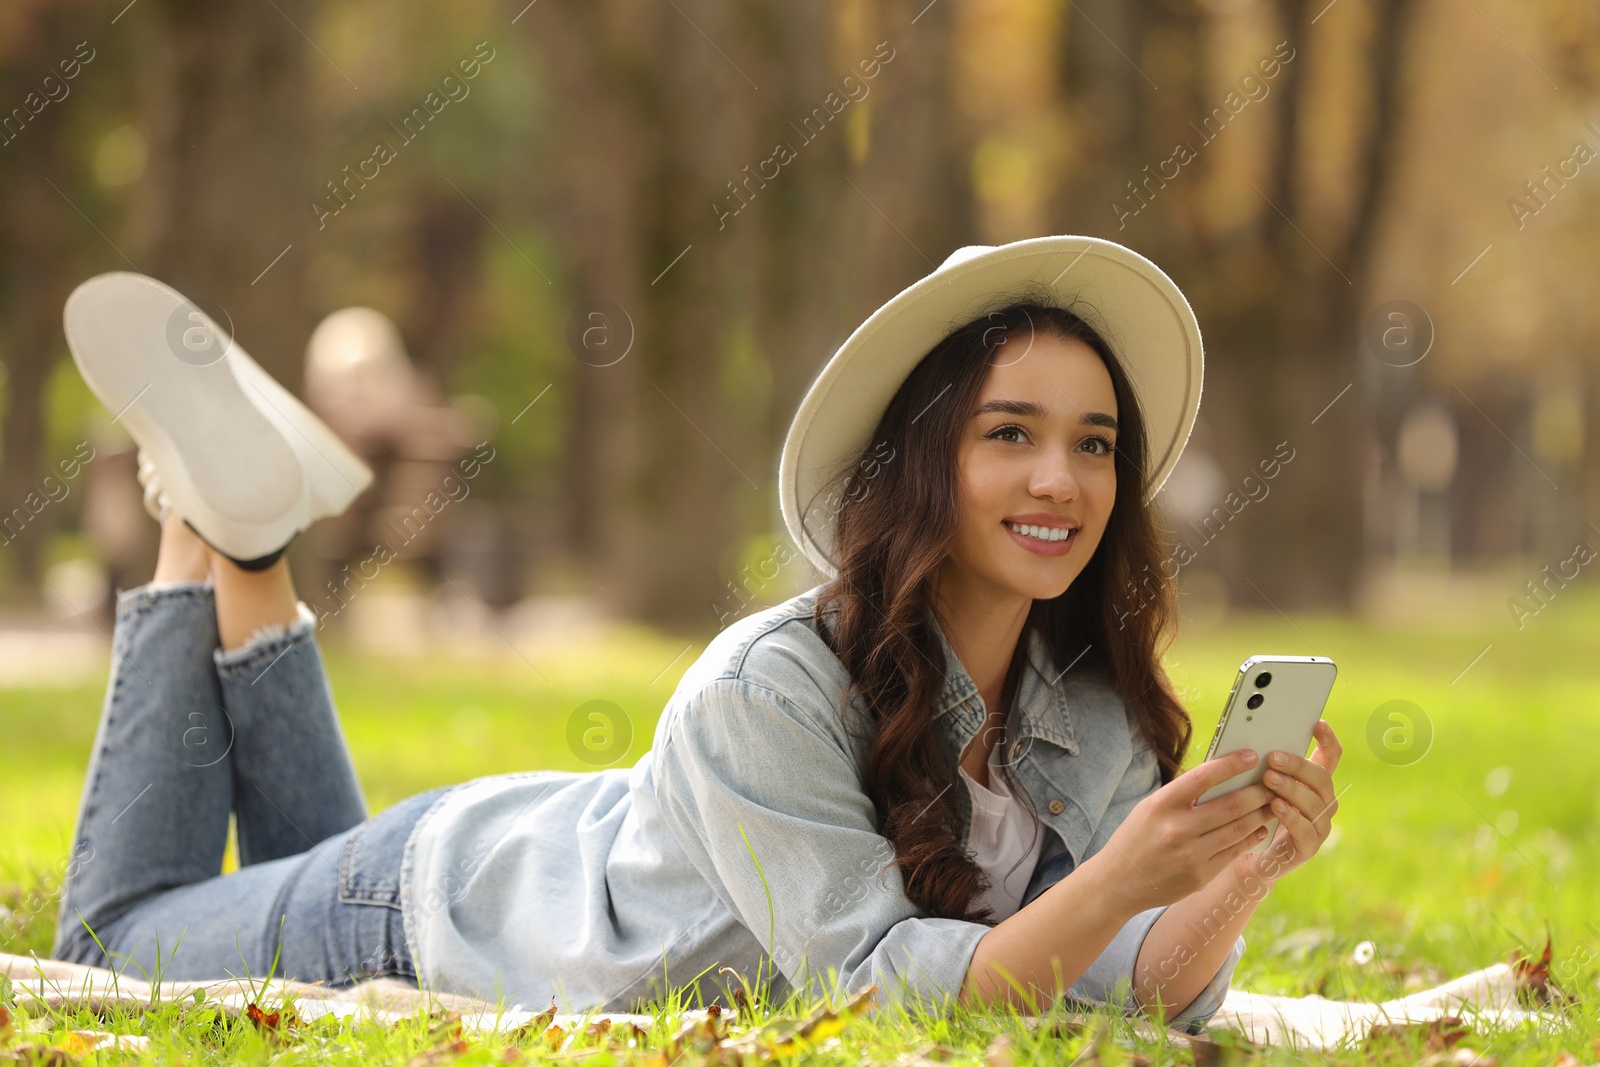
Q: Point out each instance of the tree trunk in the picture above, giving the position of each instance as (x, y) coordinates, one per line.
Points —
(1281, 316)
(1289, 372)
(34, 285)
(667, 113)
(225, 211)
(591, 187)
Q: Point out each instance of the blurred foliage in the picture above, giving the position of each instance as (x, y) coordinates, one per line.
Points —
(596, 143)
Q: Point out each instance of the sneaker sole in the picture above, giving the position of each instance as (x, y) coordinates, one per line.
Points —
(182, 388)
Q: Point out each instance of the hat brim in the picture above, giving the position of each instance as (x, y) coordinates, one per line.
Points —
(1140, 312)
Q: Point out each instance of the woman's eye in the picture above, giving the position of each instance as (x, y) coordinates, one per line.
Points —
(997, 434)
(1107, 447)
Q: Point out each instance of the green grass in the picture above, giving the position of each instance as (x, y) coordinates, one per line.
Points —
(1445, 865)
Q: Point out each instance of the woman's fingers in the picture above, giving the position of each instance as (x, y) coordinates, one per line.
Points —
(1328, 748)
(1312, 774)
(1236, 830)
(1220, 811)
(1235, 849)
(1302, 832)
(1307, 801)
(1188, 786)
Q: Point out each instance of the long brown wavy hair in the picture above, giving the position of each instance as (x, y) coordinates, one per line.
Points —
(897, 523)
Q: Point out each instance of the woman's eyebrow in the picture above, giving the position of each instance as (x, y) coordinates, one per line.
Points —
(1025, 408)
(1030, 410)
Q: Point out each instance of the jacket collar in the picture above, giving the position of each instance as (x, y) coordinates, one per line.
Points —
(1041, 697)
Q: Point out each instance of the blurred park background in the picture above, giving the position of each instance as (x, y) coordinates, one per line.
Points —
(605, 245)
(596, 257)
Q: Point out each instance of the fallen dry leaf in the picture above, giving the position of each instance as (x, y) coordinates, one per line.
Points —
(825, 1023)
(702, 1035)
(779, 1040)
(1534, 984)
(279, 1024)
(536, 1026)
(6, 1027)
(445, 1029)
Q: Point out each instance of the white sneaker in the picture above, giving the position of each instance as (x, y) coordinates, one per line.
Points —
(230, 450)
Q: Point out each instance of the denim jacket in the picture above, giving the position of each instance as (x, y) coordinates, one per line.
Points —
(744, 839)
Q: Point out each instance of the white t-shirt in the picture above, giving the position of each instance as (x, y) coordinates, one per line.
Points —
(1003, 831)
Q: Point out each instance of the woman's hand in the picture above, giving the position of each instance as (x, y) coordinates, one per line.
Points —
(1169, 845)
(1303, 802)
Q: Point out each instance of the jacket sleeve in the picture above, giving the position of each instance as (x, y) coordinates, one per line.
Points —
(1109, 979)
(767, 803)
(1193, 1019)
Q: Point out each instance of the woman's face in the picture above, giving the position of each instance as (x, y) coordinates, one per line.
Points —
(1035, 461)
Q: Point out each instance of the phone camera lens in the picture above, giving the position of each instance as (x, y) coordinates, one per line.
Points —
(1255, 701)
(1263, 679)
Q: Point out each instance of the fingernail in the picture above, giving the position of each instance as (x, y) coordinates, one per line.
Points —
(1279, 759)
(1249, 756)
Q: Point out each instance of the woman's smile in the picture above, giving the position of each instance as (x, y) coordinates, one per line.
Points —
(1043, 538)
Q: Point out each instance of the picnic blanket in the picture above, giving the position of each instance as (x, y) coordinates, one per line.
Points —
(1487, 997)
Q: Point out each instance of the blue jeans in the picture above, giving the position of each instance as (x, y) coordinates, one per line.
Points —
(190, 734)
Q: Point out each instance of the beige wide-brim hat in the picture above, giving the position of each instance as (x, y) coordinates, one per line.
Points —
(1134, 305)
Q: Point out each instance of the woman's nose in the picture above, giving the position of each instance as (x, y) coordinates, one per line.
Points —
(1054, 477)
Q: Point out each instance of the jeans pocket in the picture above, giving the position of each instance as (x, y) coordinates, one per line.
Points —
(364, 875)
(370, 861)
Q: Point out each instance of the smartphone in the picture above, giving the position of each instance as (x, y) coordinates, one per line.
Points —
(1275, 703)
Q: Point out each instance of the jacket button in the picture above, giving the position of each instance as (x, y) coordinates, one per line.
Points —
(1057, 806)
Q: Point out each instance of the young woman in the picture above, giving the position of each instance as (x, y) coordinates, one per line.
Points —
(951, 770)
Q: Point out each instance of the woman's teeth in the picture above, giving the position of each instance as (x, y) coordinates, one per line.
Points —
(1042, 533)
